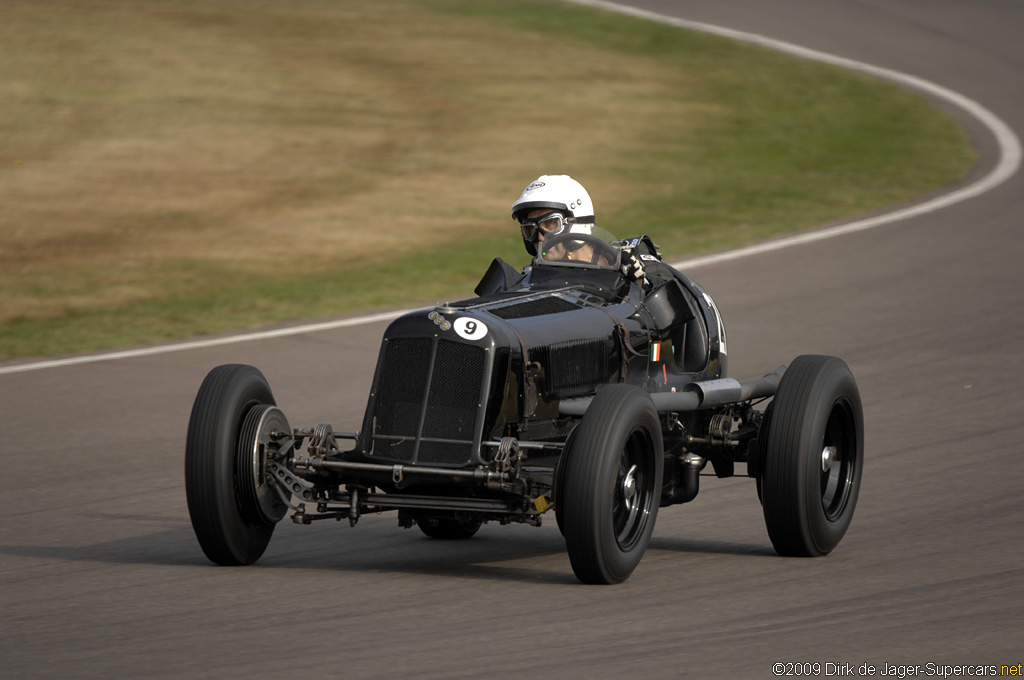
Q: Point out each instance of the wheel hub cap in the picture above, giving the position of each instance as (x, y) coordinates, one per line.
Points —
(828, 457)
(629, 486)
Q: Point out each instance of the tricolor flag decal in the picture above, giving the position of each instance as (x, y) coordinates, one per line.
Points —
(656, 352)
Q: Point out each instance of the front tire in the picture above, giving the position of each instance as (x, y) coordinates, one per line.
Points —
(813, 457)
(612, 485)
(232, 507)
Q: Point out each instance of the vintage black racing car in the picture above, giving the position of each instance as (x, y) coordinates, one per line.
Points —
(574, 387)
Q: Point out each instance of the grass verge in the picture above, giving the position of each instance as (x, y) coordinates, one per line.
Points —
(170, 170)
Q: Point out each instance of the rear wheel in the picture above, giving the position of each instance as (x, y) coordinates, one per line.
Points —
(611, 486)
(232, 504)
(813, 457)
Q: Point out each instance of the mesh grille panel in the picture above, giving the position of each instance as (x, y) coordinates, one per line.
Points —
(454, 402)
(400, 388)
(441, 453)
(394, 449)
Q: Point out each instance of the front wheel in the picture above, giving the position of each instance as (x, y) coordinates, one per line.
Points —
(232, 502)
(611, 485)
(813, 457)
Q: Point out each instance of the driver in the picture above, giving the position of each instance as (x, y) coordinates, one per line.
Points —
(556, 204)
(551, 205)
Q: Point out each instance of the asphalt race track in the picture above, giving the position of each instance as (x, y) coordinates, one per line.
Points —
(102, 576)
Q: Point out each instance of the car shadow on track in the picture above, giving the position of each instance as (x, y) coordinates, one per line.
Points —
(376, 544)
(515, 553)
(710, 547)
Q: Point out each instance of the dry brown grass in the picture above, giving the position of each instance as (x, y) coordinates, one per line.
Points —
(178, 168)
(140, 134)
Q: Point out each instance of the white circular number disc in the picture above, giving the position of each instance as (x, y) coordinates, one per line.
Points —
(470, 329)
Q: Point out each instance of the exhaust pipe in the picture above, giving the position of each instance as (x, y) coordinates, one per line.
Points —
(696, 395)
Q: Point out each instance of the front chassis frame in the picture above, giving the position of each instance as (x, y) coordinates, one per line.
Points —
(318, 481)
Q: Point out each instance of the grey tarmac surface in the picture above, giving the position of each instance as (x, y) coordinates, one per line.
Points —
(102, 576)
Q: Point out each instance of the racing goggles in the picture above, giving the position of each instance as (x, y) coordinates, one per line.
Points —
(550, 224)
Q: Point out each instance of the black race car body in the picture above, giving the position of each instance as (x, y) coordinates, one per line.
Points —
(570, 388)
(453, 378)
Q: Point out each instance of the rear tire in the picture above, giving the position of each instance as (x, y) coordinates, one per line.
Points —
(813, 457)
(612, 482)
(232, 511)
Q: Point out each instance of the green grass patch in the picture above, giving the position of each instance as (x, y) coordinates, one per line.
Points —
(176, 169)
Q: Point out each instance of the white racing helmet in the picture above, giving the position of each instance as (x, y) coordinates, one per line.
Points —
(557, 192)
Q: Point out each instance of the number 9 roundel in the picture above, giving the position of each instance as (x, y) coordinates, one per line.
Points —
(470, 329)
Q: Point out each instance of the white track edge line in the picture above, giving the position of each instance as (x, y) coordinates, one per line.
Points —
(1008, 143)
(1008, 165)
(201, 344)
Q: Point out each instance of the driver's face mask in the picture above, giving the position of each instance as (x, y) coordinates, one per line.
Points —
(551, 224)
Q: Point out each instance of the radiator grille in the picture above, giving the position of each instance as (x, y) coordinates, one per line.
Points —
(450, 376)
(454, 402)
(405, 363)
